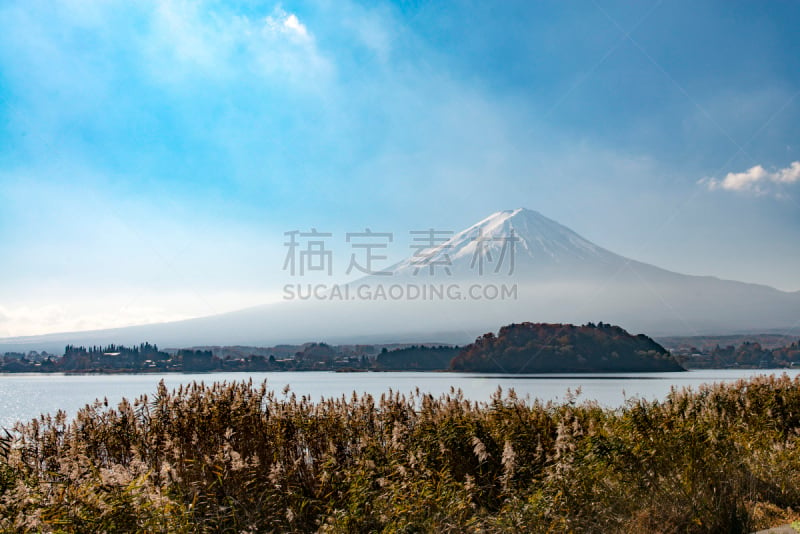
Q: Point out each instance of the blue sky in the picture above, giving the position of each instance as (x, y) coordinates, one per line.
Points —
(152, 153)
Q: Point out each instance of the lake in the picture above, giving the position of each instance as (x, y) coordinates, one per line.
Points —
(25, 396)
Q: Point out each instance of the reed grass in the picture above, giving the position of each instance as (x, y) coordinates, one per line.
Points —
(238, 457)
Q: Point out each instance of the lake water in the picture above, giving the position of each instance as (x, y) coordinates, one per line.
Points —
(25, 396)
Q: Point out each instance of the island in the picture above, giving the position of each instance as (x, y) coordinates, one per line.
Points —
(563, 348)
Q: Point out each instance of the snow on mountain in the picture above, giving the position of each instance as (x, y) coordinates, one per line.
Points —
(559, 277)
(526, 238)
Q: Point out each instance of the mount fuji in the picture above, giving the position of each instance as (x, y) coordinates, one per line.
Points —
(549, 273)
(538, 245)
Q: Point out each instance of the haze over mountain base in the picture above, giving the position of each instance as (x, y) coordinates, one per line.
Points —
(556, 276)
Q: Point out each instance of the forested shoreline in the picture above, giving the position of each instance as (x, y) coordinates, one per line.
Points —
(517, 348)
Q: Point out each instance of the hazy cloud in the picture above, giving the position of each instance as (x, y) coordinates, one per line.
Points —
(172, 130)
(224, 44)
(756, 180)
(32, 320)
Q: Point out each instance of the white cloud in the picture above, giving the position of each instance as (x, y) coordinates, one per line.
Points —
(171, 40)
(789, 175)
(756, 180)
(281, 22)
(188, 40)
(292, 24)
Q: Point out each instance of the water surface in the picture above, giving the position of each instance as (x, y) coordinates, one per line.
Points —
(25, 396)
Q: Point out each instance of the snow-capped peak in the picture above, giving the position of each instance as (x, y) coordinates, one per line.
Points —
(536, 241)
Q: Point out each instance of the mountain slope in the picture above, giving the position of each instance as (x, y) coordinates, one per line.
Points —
(557, 276)
(539, 244)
